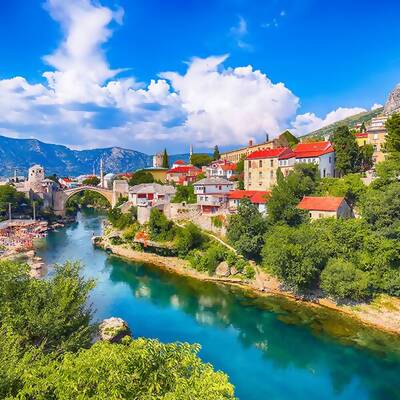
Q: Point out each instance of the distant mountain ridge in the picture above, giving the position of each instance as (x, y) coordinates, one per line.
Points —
(63, 161)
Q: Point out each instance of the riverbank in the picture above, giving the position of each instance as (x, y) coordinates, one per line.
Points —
(383, 313)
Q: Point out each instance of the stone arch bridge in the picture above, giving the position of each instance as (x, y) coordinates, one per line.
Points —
(60, 198)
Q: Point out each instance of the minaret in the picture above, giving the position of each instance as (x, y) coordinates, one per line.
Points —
(191, 150)
(101, 173)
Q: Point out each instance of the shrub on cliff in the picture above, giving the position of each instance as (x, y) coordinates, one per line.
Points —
(161, 228)
(188, 238)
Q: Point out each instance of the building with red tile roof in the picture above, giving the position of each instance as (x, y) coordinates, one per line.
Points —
(183, 175)
(257, 197)
(325, 207)
(221, 169)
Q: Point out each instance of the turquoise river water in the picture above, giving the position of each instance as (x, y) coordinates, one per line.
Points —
(271, 348)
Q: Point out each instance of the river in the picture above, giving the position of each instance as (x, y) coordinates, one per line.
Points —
(270, 348)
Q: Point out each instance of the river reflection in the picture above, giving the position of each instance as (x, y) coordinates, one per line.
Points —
(271, 348)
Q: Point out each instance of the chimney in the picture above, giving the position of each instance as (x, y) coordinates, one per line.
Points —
(266, 137)
(250, 142)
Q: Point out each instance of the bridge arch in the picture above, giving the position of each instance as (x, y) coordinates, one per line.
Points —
(106, 193)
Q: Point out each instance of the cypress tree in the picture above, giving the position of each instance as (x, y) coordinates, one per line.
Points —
(165, 161)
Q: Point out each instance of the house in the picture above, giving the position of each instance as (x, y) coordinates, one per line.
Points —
(326, 207)
(212, 194)
(183, 175)
(178, 163)
(361, 138)
(260, 168)
(376, 136)
(150, 194)
(221, 169)
(320, 153)
(257, 197)
(68, 183)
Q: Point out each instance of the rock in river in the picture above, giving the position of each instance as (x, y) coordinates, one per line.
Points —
(114, 330)
(222, 270)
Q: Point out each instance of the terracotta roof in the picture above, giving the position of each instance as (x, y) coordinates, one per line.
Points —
(184, 169)
(255, 196)
(320, 203)
(361, 135)
(179, 162)
(268, 153)
(313, 149)
(228, 167)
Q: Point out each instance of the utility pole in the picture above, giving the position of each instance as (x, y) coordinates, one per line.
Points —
(9, 211)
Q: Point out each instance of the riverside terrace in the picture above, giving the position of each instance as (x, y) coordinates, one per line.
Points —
(17, 235)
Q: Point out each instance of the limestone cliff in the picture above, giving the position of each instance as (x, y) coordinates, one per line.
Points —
(393, 103)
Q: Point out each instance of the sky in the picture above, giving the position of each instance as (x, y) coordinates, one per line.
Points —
(151, 74)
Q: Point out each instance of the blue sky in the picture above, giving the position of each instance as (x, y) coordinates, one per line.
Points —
(311, 62)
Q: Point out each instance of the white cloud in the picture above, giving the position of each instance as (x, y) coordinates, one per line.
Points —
(83, 102)
(376, 106)
(309, 122)
(239, 32)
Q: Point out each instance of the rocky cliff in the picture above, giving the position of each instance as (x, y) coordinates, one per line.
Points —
(393, 103)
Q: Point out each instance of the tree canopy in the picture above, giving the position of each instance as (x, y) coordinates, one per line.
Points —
(141, 177)
(200, 160)
(9, 195)
(392, 139)
(184, 194)
(165, 159)
(91, 181)
(216, 154)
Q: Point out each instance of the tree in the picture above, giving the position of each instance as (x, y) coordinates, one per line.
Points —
(392, 139)
(91, 181)
(9, 195)
(366, 153)
(287, 139)
(184, 194)
(363, 128)
(347, 151)
(350, 186)
(200, 160)
(216, 154)
(165, 159)
(341, 279)
(160, 227)
(246, 230)
(288, 191)
(295, 255)
(141, 177)
(188, 238)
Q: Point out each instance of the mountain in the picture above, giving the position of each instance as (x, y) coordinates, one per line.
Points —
(60, 160)
(393, 103)
(350, 122)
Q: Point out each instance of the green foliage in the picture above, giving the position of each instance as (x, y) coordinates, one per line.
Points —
(200, 160)
(216, 154)
(8, 194)
(165, 159)
(287, 193)
(184, 194)
(246, 230)
(130, 232)
(50, 314)
(366, 153)
(208, 260)
(121, 220)
(188, 238)
(388, 171)
(46, 349)
(217, 221)
(341, 279)
(121, 200)
(295, 255)
(91, 181)
(134, 369)
(392, 139)
(381, 209)
(87, 198)
(240, 165)
(288, 137)
(141, 177)
(350, 186)
(348, 157)
(160, 227)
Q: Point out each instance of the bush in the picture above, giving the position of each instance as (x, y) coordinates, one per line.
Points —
(341, 279)
(120, 220)
(184, 194)
(160, 227)
(188, 238)
(207, 261)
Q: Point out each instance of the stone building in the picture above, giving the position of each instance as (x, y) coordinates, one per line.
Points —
(325, 207)
(376, 136)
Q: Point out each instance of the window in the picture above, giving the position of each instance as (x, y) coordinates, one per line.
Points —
(330, 160)
(324, 173)
(272, 174)
(272, 163)
(260, 174)
(260, 163)
(219, 187)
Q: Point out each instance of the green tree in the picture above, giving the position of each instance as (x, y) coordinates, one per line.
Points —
(141, 177)
(363, 128)
(200, 160)
(392, 139)
(216, 154)
(160, 227)
(295, 255)
(121, 220)
(188, 238)
(347, 151)
(366, 153)
(288, 191)
(246, 230)
(288, 139)
(342, 280)
(184, 194)
(9, 195)
(91, 181)
(165, 159)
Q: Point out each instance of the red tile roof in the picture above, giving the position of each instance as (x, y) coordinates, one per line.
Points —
(313, 149)
(361, 135)
(268, 153)
(255, 196)
(228, 167)
(179, 162)
(320, 203)
(184, 169)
